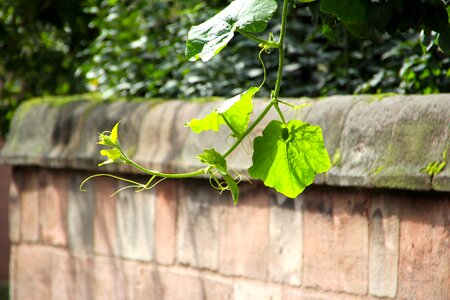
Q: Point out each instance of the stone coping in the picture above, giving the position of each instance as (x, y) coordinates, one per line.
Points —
(373, 141)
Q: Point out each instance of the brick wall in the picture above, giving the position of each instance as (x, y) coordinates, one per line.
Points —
(5, 177)
(184, 241)
(374, 227)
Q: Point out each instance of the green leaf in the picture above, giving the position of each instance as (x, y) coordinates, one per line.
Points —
(210, 122)
(347, 11)
(111, 139)
(235, 112)
(113, 155)
(288, 156)
(214, 159)
(209, 38)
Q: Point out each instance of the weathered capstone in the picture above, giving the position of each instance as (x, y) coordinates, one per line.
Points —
(372, 141)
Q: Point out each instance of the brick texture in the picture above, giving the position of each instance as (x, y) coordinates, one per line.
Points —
(135, 224)
(244, 237)
(336, 240)
(80, 216)
(198, 226)
(105, 216)
(33, 279)
(29, 205)
(384, 245)
(5, 178)
(63, 271)
(165, 221)
(85, 268)
(147, 284)
(183, 284)
(286, 242)
(247, 290)
(14, 207)
(53, 206)
(112, 279)
(424, 268)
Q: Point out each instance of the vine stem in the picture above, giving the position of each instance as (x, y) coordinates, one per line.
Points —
(280, 60)
(274, 96)
(258, 40)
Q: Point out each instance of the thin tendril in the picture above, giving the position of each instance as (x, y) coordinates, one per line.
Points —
(107, 175)
(263, 66)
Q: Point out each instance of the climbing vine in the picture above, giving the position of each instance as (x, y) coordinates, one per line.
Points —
(289, 154)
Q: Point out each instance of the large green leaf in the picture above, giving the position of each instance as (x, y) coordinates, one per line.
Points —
(288, 156)
(235, 112)
(209, 38)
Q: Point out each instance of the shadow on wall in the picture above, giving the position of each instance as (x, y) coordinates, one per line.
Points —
(5, 178)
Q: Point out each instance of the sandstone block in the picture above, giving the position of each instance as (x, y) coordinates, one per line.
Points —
(14, 207)
(424, 267)
(247, 290)
(286, 242)
(105, 216)
(165, 221)
(384, 245)
(198, 226)
(244, 237)
(80, 216)
(63, 274)
(336, 240)
(53, 207)
(135, 224)
(33, 273)
(29, 205)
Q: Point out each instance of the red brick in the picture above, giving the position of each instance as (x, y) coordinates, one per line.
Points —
(52, 207)
(311, 294)
(336, 240)
(384, 244)
(135, 225)
(181, 284)
(14, 208)
(244, 234)
(147, 283)
(286, 241)
(248, 290)
(63, 276)
(33, 273)
(198, 226)
(29, 205)
(105, 216)
(424, 268)
(12, 272)
(165, 221)
(112, 279)
(5, 176)
(85, 277)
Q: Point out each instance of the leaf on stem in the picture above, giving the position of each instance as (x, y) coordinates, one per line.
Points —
(288, 156)
(209, 38)
(235, 112)
(112, 140)
(214, 159)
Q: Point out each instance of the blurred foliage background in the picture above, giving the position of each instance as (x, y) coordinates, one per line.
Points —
(136, 48)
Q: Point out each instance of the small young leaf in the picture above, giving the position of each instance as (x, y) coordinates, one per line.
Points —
(111, 139)
(113, 155)
(288, 156)
(216, 160)
(209, 38)
(235, 112)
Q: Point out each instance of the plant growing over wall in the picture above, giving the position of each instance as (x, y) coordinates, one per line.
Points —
(289, 154)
